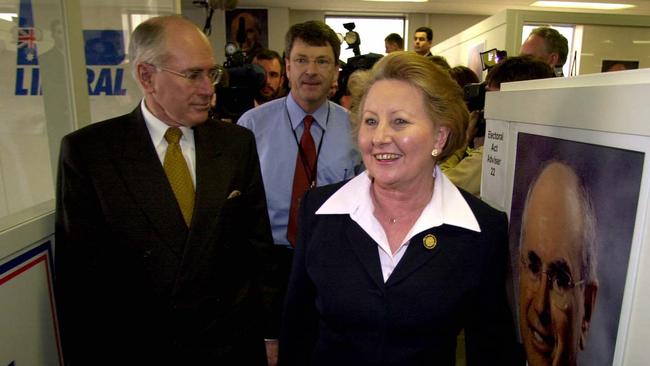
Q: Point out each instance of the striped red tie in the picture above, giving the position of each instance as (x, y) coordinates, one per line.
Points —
(304, 176)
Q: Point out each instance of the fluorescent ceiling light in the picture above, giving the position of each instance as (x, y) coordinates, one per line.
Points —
(581, 5)
(400, 1)
(641, 42)
(8, 16)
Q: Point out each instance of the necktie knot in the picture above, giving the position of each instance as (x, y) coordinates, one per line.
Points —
(307, 121)
(173, 135)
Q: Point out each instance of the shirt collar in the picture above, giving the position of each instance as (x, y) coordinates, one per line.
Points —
(447, 205)
(297, 114)
(157, 128)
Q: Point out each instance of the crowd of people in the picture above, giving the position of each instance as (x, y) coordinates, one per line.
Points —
(306, 233)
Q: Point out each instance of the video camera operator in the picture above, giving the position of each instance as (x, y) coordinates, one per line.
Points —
(240, 84)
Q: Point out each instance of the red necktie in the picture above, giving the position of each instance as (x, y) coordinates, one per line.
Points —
(303, 177)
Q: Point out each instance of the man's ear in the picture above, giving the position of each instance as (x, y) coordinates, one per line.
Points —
(287, 68)
(145, 72)
(554, 59)
(591, 290)
(442, 134)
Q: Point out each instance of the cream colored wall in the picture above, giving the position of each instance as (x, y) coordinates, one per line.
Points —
(503, 31)
(443, 25)
(280, 19)
(487, 34)
(613, 43)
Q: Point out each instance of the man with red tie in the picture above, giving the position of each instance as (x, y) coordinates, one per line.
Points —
(303, 140)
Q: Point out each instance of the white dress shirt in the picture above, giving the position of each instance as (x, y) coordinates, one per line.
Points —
(447, 206)
(157, 129)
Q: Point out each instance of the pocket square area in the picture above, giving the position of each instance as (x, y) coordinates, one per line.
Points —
(234, 194)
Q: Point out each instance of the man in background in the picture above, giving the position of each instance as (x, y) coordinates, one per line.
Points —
(423, 40)
(273, 66)
(160, 219)
(557, 271)
(303, 140)
(393, 42)
(548, 45)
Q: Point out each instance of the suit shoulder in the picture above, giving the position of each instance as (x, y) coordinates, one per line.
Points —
(229, 129)
(98, 130)
(486, 215)
(316, 197)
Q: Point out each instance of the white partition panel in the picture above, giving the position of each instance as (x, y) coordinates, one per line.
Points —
(598, 125)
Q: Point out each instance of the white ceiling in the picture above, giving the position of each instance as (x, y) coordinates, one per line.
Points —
(474, 7)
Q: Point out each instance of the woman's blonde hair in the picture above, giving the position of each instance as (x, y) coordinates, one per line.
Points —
(442, 96)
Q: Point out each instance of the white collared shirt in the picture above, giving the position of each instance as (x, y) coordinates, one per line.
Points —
(447, 206)
(157, 129)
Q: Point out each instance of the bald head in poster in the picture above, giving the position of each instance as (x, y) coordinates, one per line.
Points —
(557, 272)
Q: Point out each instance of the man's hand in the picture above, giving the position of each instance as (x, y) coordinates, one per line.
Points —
(271, 351)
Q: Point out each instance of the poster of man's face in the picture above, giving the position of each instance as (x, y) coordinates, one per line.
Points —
(248, 28)
(572, 221)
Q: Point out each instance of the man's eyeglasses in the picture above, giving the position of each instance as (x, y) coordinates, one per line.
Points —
(560, 281)
(196, 76)
(322, 63)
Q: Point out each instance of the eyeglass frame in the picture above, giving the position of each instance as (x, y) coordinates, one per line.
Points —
(187, 75)
(322, 63)
(551, 277)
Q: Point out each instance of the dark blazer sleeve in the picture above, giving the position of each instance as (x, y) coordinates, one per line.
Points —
(489, 331)
(299, 331)
(79, 233)
(260, 228)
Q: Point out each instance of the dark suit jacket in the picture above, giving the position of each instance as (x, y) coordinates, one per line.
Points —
(134, 285)
(339, 311)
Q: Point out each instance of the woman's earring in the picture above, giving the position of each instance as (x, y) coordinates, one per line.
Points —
(434, 153)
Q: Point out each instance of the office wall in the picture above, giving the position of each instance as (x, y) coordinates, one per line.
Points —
(444, 25)
(603, 42)
(280, 19)
(463, 48)
(605, 36)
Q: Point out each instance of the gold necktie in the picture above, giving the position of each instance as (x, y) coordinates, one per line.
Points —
(178, 174)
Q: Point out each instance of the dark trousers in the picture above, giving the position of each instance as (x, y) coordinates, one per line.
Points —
(275, 281)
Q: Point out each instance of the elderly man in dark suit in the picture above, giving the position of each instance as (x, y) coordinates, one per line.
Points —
(160, 221)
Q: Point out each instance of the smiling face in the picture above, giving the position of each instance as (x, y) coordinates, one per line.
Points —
(553, 327)
(311, 71)
(171, 98)
(397, 135)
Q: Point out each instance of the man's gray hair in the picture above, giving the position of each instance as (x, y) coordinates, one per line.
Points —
(554, 42)
(147, 42)
(588, 233)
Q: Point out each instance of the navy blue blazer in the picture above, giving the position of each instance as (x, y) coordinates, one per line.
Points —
(134, 285)
(339, 311)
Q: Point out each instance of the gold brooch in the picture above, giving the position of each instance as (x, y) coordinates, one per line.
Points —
(429, 241)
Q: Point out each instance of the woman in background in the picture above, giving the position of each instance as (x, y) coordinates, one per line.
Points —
(391, 265)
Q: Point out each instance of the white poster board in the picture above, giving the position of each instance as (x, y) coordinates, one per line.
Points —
(30, 336)
(600, 127)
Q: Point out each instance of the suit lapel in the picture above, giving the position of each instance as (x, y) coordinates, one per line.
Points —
(416, 255)
(146, 180)
(214, 175)
(366, 251)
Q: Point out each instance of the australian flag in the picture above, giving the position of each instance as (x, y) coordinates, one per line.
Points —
(27, 54)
